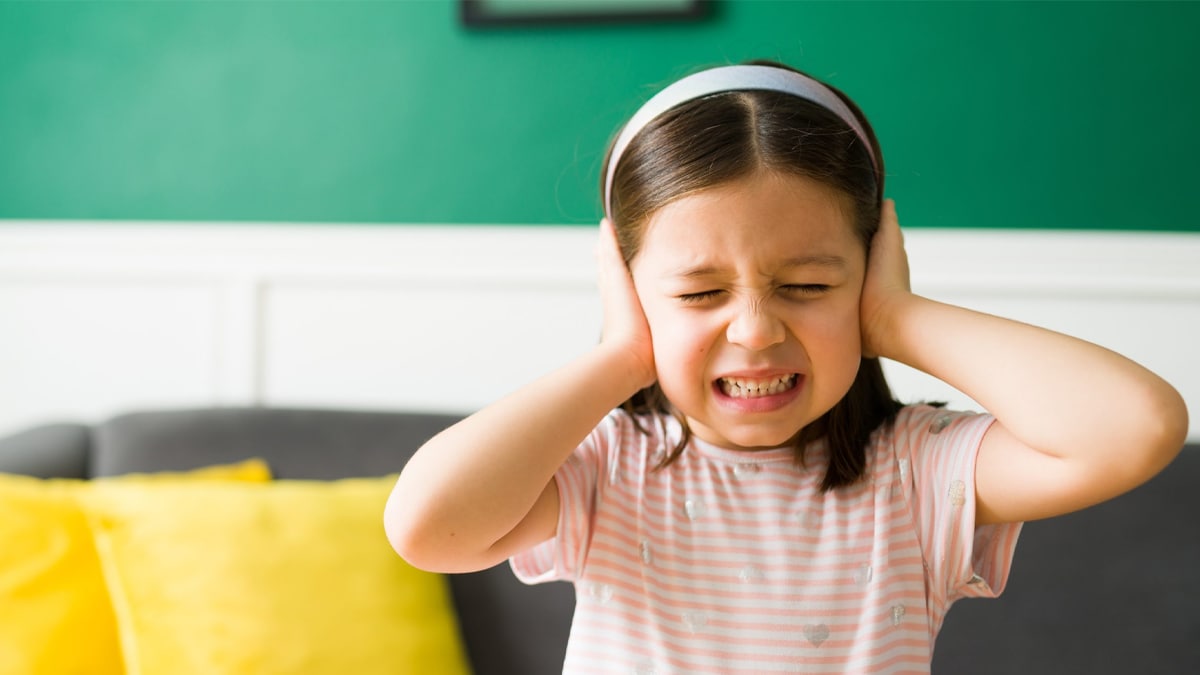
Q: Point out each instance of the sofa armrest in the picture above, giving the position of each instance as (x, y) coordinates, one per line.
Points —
(48, 451)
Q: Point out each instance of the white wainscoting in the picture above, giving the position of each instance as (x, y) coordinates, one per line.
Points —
(98, 317)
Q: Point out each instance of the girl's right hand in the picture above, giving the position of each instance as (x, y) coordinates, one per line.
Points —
(625, 324)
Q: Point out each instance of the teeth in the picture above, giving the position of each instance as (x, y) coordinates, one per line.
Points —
(750, 388)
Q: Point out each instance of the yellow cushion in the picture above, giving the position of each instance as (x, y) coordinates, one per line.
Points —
(287, 577)
(55, 613)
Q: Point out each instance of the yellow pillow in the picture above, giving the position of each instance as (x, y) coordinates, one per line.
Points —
(55, 613)
(289, 577)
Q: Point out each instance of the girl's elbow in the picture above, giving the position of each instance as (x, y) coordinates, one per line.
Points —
(1165, 430)
(1175, 424)
(404, 534)
(398, 533)
(425, 546)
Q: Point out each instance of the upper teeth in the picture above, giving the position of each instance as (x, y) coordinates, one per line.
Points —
(748, 388)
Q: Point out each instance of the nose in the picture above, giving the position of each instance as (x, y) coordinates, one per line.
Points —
(754, 326)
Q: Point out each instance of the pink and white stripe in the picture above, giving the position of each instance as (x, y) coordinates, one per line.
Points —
(733, 561)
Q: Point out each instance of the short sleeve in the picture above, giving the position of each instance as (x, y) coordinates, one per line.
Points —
(963, 560)
(562, 557)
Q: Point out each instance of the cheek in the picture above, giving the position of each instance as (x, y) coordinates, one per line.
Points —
(839, 320)
(679, 337)
(832, 338)
(845, 326)
(835, 345)
(681, 341)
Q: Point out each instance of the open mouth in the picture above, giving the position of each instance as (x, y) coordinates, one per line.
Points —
(748, 387)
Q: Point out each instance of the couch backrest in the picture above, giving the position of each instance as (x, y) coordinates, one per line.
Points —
(298, 444)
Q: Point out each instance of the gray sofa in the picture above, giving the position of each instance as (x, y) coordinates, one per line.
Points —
(1113, 589)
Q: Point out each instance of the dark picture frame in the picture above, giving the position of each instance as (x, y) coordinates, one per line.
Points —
(489, 13)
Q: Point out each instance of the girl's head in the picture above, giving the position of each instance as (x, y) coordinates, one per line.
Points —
(745, 215)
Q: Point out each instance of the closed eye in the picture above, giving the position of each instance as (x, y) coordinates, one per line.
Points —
(805, 289)
(696, 298)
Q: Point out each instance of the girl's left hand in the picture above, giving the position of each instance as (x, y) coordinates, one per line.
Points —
(886, 286)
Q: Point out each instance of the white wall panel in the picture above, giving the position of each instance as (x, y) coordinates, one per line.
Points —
(98, 318)
(76, 347)
(403, 346)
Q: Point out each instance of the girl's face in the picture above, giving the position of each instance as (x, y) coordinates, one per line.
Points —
(751, 290)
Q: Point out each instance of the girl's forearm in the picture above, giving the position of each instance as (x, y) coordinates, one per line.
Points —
(1059, 395)
(471, 485)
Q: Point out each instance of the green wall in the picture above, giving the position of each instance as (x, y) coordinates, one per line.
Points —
(999, 115)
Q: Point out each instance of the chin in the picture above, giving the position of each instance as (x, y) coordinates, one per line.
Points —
(751, 439)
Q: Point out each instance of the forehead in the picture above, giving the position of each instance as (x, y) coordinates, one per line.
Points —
(763, 219)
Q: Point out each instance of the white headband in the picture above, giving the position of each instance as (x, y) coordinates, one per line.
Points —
(723, 79)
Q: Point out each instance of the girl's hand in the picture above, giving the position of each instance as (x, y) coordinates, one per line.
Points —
(886, 286)
(624, 321)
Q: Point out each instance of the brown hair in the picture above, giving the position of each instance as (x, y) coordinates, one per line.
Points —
(716, 139)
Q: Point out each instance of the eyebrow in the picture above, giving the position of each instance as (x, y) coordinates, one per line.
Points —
(834, 261)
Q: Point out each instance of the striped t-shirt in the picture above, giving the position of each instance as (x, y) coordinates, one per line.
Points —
(735, 562)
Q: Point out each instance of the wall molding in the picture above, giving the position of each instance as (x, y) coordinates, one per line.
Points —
(97, 317)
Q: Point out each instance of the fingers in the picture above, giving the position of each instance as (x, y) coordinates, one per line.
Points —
(887, 279)
(608, 247)
(613, 270)
(624, 320)
(887, 256)
(621, 305)
(889, 213)
(889, 224)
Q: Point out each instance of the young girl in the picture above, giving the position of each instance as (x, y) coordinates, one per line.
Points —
(726, 478)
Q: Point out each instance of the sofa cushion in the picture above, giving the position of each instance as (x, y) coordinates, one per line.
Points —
(288, 577)
(56, 616)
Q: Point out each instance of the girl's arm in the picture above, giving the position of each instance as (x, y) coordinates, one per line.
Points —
(1076, 424)
(484, 489)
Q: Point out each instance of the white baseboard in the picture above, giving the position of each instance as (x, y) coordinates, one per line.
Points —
(98, 317)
